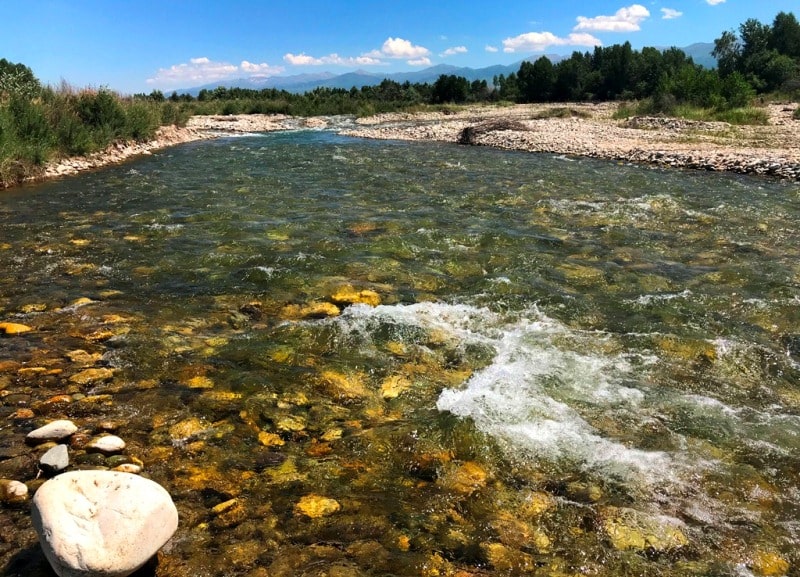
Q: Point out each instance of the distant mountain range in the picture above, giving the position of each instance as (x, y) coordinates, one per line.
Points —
(299, 83)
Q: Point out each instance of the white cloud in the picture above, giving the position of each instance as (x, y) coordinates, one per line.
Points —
(541, 41)
(262, 69)
(670, 14)
(624, 20)
(715, 2)
(333, 59)
(491, 48)
(392, 48)
(454, 50)
(203, 70)
(400, 48)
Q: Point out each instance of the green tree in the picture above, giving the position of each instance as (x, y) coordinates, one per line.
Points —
(536, 80)
(17, 80)
(785, 37)
(450, 89)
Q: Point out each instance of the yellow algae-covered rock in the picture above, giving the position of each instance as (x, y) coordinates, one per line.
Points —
(516, 533)
(393, 386)
(83, 301)
(291, 424)
(316, 506)
(33, 308)
(14, 328)
(198, 382)
(270, 439)
(347, 295)
(632, 529)
(581, 275)
(82, 357)
(768, 564)
(536, 504)
(464, 479)
(188, 429)
(343, 386)
(91, 376)
(504, 558)
(397, 348)
(332, 434)
(318, 310)
(687, 349)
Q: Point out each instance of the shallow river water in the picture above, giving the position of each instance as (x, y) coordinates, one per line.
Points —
(348, 357)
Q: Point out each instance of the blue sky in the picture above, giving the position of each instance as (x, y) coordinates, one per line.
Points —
(137, 46)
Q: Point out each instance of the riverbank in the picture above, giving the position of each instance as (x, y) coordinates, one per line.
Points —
(591, 130)
(165, 136)
(588, 130)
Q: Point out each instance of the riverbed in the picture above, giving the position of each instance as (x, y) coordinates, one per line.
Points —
(348, 356)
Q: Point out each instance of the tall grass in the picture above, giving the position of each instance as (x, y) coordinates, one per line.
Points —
(744, 115)
(62, 121)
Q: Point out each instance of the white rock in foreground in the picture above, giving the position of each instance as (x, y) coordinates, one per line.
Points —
(102, 522)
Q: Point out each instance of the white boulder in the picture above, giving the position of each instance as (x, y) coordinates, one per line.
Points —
(102, 522)
(53, 431)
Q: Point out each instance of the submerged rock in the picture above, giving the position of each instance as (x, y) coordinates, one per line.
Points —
(316, 506)
(347, 295)
(102, 522)
(14, 328)
(632, 529)
(12, 492)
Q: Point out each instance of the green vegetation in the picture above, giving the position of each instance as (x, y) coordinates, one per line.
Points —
(40, 123)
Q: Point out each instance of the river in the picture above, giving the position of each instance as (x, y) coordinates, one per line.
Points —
(560, 366)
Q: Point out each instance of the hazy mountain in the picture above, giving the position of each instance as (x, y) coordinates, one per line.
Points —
(700, 53)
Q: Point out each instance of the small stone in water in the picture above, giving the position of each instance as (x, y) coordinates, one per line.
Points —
(199, 382)
(393, 386)
(53, 431)
(91, 376)
(316, 506)
(107, 444)
(12, 492)
(768, 564)
(270, 439)
(14, 328)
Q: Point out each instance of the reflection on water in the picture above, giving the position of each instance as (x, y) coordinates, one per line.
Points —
(540, 366)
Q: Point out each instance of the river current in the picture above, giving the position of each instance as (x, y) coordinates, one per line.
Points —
(560, 366)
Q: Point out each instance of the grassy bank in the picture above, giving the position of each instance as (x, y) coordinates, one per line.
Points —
(58, 122)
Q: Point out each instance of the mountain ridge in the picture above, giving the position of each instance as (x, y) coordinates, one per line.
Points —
(306, 82)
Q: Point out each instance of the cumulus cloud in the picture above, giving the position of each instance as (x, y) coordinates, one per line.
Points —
(670, 14)
(454, 50)
(393, 48)
(332, 59)
(203, 70)
(715, 2)
(491, 48)
(624, 20)
(400, 48)
(540, 41)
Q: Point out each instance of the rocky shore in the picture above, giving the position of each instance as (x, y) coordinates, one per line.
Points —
(588, 130)
(591, 131)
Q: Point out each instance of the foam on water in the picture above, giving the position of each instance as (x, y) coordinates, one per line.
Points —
(535, 395)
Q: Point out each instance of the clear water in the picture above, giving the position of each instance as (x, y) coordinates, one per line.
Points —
(616, 341)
